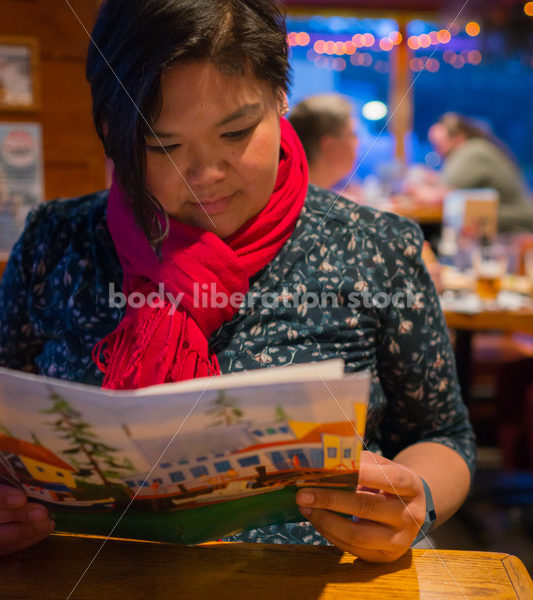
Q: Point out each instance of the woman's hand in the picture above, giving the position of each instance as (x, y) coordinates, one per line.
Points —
(22, 523)
(390, 505)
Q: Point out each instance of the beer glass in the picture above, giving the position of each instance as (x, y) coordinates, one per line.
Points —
(490, 264)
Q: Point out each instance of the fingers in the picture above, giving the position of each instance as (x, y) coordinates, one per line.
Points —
(366, 539)
(11, 497)
(365, 505)
(11, 533)
(390, 504)
(377, 555)
(17, 536)
(348, 535)
(380, 473)
(22, 523)
(30, 512)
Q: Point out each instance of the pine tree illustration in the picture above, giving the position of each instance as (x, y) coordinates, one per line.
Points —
(225, 409)
(281, 415)
(35, 439)
(5, 431)
(87, 453)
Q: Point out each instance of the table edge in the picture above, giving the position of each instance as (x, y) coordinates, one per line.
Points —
(518, 576)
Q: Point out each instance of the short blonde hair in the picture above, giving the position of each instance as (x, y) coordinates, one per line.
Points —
(317, 116)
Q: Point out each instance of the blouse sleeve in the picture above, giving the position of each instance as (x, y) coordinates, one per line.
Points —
(416, 364)
(19, 342)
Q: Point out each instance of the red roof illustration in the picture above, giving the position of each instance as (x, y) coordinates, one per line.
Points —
(343, 429)
(13, 445)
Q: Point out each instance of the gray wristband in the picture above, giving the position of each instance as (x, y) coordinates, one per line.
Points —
(431, 516)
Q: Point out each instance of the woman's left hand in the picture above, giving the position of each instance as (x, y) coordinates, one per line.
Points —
(390, 505)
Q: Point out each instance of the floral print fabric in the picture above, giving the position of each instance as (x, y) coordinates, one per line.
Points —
(55, 298)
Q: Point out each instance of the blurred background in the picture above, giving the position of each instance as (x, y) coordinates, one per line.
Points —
(436, 56)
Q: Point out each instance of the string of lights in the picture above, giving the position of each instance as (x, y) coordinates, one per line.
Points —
(361, 48)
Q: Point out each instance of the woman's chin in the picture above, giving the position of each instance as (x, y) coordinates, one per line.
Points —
(223, 226)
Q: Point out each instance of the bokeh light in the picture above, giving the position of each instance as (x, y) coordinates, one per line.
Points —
(425, 40)
(396, 38)
(432, 65)
(375, 110)
(413, 42)
(458, 61)
(473, 29)
(368, 40)
(416, 64)
(303, 38)
(474, 57)
(433, 160)
(358, 40)
(448, 56)
(386, 45)
(350, 48)
(339, 64)
(443, 36)
(320, 46)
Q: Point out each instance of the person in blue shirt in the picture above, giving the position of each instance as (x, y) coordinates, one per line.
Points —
(188, 100)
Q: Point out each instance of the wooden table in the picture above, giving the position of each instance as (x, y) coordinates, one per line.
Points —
(140, 570)
(520, 321)
(422, 213)
(465, 325)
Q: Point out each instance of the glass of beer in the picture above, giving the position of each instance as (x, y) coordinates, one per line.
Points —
(490, 264)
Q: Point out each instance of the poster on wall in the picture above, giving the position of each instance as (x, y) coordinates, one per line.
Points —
(21, 179)
(19, 73)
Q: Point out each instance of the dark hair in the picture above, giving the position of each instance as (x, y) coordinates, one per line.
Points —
(318, 116)
(134, 41)
(456, 124)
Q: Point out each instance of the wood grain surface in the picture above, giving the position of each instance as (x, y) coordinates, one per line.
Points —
(493, 320)
(140, 570)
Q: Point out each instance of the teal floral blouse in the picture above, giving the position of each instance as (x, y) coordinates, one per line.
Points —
(381, 313)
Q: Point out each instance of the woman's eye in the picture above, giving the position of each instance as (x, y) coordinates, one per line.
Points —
(162, 149)
(237, 136)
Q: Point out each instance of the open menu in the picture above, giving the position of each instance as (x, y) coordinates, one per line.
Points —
(185, 462)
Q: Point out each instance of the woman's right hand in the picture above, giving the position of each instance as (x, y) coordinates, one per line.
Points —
(22, 523)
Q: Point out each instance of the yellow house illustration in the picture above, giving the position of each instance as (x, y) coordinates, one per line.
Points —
(32, 463)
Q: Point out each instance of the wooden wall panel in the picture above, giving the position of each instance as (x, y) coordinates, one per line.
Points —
(69, 139)
(53, 22)
(73, 157)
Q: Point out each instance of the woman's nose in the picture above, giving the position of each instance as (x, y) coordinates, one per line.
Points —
(205, 169)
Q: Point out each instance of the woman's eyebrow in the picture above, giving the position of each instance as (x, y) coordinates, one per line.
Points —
(240, 112)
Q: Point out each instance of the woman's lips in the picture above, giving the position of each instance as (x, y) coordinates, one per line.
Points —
(213, 206)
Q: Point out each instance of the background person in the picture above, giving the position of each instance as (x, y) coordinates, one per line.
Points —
(215, 190)
(474, 158)
(326, 128)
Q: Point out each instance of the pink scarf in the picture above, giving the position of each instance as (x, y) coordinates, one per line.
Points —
(158, 343)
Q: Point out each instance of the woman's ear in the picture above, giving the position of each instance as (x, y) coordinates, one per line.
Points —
(283, 103)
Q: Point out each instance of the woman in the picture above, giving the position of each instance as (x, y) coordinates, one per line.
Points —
(474, 158)
(210, 186)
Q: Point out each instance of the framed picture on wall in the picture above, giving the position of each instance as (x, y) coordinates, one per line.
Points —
(19, 74)
(21, 178)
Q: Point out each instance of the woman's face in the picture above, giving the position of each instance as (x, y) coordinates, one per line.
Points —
(223, 135)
